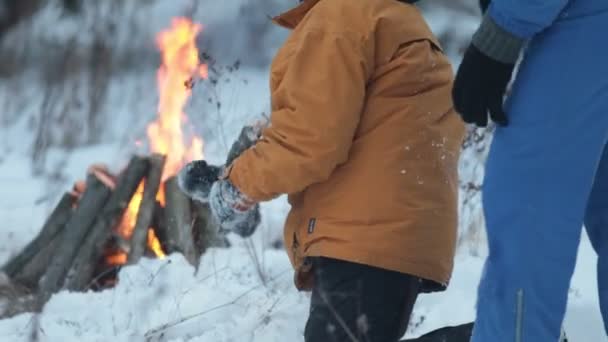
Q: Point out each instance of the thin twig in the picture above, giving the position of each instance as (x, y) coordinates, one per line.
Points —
(259, 267)
(153, 276)
(164, 327)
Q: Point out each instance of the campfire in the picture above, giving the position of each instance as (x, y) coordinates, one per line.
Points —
(110, 220)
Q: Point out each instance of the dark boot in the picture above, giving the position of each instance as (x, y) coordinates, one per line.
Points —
(358, 303)
(460, 333)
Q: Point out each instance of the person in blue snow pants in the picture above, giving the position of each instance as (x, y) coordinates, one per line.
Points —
(547, 171)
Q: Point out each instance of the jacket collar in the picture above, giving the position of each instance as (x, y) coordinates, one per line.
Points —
(292, 18)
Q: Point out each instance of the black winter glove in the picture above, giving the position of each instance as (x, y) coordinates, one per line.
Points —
(483, 5)
(484, 74)
(479, 88)
(196, 179)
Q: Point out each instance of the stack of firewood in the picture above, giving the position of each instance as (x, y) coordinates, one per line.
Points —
(73, 247)
(71, 250)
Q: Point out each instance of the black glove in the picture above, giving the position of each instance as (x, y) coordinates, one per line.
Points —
(479, 88)
(196, 179)
(483, 5)
(484, 74)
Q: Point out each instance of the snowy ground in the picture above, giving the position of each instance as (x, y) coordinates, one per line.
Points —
(229, 298)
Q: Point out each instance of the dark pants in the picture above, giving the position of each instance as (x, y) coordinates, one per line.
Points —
(358, 303)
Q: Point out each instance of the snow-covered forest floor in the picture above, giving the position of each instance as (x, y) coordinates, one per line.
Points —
(53, 126)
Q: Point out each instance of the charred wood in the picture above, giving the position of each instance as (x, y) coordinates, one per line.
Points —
(205, 231)
(92, 248)
(145, 213)
(178, 216)
(76, 230)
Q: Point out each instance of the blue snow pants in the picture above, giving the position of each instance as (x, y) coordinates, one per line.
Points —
(546, 174)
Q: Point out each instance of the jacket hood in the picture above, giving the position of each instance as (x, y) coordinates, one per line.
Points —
(292, 18)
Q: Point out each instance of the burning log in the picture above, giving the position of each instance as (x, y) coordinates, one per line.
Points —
(110, 225)
(76, 230)
(145, 213)
(51, 228)
(205, 231)
(91, 250)
(178, 218)
(159, 222)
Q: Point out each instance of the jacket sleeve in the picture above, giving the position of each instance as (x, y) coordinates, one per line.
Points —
(316, 110)
(525, 18)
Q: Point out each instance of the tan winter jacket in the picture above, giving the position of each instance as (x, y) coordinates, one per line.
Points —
(363, 138)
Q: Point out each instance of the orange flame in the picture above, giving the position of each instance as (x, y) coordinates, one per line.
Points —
(154, 244)
(180, 66)
(127, 225)
(119, 258)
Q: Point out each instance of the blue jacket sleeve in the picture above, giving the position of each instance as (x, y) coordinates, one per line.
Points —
(525, 18)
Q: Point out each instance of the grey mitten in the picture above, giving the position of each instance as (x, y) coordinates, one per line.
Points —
(232, 209)
(196, 179)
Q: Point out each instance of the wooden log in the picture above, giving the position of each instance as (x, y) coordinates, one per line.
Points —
(145, 213)
(179, 222)
(91, 250)
(205, 231)
(77, 228)
(29, 276)
(51, 228)
(159, 224)
(159, 221)
(14, 298)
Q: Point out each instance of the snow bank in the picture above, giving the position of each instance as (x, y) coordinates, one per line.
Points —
(231, 297)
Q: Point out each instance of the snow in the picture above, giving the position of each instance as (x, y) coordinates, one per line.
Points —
(231, 297)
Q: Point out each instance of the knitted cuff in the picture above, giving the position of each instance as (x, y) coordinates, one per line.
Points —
(496, 43)
(233, 197)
